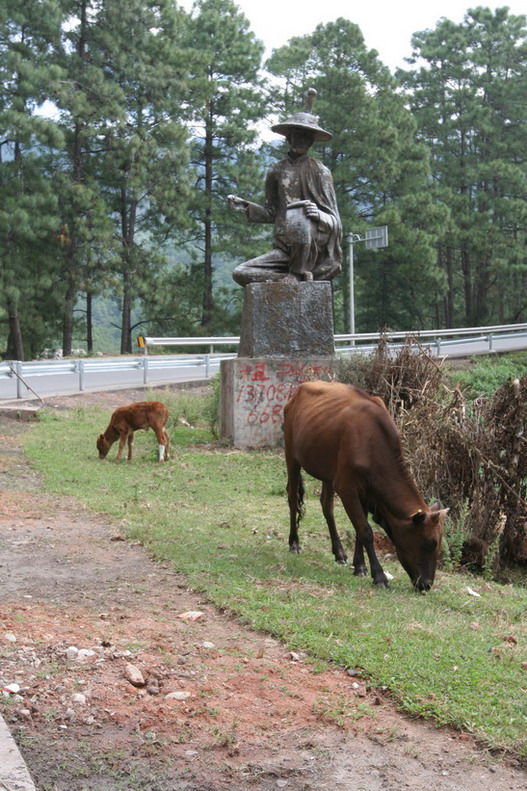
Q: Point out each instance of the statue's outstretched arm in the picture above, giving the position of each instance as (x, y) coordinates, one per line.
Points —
(254, 212)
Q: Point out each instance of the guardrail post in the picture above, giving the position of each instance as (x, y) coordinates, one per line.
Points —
(80, 368)
(145, 369)
(18, 369)
(206, 366)
(491, 340)
(438, 346)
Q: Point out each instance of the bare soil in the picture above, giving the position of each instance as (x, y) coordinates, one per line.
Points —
(256, 716)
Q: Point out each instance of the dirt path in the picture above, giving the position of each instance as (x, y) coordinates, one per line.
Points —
(247, 713)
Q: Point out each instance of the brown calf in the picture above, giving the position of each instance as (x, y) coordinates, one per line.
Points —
(127, 419)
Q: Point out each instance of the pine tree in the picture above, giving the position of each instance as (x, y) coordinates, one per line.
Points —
(469, 102)
(87, 102)
(224, 131)
(140, 47)
(28, 209)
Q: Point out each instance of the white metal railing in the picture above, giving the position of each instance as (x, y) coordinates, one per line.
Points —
(211, 342)
(140, 369)
(353, 339)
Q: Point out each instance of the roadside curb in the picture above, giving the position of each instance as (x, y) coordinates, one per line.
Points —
(14, 774)
(19, 411)
(28, 408)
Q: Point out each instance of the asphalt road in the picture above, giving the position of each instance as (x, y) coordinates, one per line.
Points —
(117, 372)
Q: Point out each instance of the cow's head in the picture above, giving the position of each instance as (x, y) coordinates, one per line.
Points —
(417, 542)
(103, 446)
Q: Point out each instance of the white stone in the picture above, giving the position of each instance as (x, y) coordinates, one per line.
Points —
(177, 695)
(71, 652)
(85, 653)
(14, 688)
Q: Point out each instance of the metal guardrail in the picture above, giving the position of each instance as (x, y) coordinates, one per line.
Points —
(353, 340)
(82, 368)
(483, 340)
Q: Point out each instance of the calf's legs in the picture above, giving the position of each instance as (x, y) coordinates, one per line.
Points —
(123, 437)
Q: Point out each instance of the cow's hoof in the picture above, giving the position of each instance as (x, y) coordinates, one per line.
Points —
(360, 571)
(381, 584)
(295, 549)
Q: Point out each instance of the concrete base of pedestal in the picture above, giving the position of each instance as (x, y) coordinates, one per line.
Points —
(254, 392)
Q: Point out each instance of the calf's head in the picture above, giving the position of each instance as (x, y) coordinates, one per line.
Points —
(103, 446)
(417, 542)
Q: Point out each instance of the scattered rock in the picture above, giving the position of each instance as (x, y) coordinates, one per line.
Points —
(79, 698)
(134, 675)
(9, 637)
(12, 688)
(207, 645)
(191, 615)
(71, 652)
(182, 695)
(153, 687)
(84, 654)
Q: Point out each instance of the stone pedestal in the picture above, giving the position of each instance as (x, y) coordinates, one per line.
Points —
(286, 338)
(254, 391)
(289, 320)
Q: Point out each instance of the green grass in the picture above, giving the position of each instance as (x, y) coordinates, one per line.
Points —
(220, 516)
(488, 374)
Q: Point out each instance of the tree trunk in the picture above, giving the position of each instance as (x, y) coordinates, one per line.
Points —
(126, 313)
(128, 220)
(208, 305)
(15, 346)
(67, 324)
(89, 322)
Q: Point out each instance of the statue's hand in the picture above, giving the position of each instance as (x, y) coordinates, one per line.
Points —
(312, 211)
(239, 204)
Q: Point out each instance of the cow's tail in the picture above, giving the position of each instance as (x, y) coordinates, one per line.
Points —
(300, 507)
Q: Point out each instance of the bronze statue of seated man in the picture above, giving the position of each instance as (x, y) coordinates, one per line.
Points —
(300, 201)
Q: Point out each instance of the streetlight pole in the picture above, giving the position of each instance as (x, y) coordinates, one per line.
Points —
(374, 238)
(351, 240)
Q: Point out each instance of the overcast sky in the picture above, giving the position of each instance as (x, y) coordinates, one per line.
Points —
(387, 25)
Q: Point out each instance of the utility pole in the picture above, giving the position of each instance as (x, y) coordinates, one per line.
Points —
(374, 238)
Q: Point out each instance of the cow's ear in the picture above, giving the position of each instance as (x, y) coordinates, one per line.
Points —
(437, 515)
(418, 518)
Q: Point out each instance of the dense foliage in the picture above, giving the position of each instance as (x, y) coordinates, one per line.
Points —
(125, 123)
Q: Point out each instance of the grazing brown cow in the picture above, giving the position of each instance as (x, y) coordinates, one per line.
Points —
(127, 419)
(347, 439)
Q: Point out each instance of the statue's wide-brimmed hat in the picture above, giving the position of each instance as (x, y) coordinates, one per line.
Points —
(304, 120)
